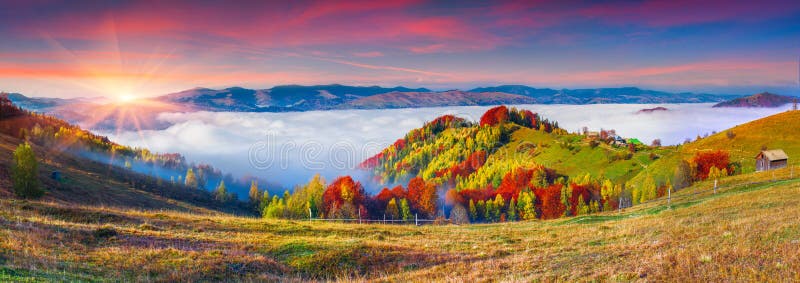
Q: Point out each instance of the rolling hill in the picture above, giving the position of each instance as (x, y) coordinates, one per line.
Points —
(81, 168)
(764, 99)
(747, 230)
(742, 142)
(103, 223)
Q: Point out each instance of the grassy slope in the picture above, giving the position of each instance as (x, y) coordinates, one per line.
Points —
(582, 158)
(749, 232)
(779, 131)
(85, 182)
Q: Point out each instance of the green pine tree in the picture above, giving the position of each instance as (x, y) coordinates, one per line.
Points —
(512, 210)
(405, 210)
(488, 213)
(566, 195)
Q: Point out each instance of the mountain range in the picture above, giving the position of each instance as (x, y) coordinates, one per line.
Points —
(104, 113)
(335, 96)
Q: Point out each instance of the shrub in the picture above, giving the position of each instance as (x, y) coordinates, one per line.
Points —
(24, 173)
(105, 232)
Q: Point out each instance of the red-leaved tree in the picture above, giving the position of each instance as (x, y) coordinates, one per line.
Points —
(343, 198)
(549, 200)
(494, 116)
(707, 159)
(423, 196)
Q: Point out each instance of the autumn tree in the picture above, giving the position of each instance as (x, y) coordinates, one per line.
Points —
(24, 173)
(254, 194)
(190, 179)
(566, 196)
(276, 208)
(582, 208)
(423, 196)
(459, 214)
(704, 161)
(344, 198)
(526, 205)
(512, 210)
(473, 212)
(682, 175)
(494, 116)
(306, 199)
(550, 198)
(480, 208)
(264, 202)
(392, 210)
(489, 211)
(405, 210)
(221, 193)
(499, 207)
(656, 143)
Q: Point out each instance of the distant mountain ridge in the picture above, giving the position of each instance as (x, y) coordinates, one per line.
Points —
(279, 98)
(435, 99)
(764, 99)
(624, 95)
(104, 113)
(328, 97)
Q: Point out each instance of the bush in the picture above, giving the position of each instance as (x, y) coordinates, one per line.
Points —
(24, 173)
(458, 215)
(105, 232)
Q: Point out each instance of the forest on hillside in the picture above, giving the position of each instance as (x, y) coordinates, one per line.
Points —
(461, 171)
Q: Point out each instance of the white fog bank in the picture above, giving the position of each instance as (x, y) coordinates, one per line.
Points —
(288, 148)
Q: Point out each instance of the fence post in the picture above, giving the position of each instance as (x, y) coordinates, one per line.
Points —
(359, 215)
(384, 219)
(309, 214)
(669, 197)
(715, 186)
(416, 220)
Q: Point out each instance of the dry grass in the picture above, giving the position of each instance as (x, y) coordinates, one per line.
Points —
(742, 233)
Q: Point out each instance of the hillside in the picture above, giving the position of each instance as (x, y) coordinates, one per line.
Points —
(746, 230)
(764, 99)
(506, 146)
(81, 168)
(434, 99)
(742, 143)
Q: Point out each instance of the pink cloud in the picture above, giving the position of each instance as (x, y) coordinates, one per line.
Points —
(368, 54)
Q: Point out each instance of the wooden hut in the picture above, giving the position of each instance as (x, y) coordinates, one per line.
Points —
(771, 159)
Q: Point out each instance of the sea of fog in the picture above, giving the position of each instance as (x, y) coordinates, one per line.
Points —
(288, 148)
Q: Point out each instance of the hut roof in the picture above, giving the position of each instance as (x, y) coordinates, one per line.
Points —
(775, 154)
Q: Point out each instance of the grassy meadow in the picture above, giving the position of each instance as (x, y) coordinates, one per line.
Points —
(746, 231)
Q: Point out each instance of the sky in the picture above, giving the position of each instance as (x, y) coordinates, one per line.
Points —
(148, 48)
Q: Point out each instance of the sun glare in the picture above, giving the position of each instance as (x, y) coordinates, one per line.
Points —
(126, 98)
